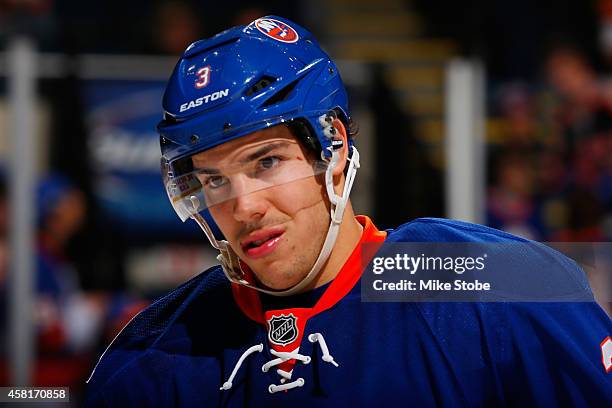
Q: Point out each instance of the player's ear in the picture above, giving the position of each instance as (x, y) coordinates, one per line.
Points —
(341, 135)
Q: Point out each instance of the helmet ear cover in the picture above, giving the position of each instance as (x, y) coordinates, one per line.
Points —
(303, 131)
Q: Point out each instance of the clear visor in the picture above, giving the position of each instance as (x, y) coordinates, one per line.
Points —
(193, 187)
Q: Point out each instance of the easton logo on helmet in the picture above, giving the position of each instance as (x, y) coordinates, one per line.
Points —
(277, 30)
(204, 99)
(282, 329)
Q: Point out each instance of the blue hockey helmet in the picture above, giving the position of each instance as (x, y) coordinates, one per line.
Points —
(245, 79)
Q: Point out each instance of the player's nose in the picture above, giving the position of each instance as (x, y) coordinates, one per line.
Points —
(249, 204)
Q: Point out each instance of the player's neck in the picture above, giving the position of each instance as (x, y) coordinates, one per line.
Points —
(348, 236)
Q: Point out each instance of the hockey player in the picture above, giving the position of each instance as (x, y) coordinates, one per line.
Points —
(256, 148)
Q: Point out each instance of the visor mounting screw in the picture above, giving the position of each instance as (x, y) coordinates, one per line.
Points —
(227, 126)
(331, 70)
(194, 138)
(163, 140)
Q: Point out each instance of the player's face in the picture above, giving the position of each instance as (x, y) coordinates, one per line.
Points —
(277, 231)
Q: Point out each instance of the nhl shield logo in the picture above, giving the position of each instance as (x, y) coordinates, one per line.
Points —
(282, 329)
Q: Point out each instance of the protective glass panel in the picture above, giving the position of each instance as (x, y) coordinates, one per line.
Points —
(192, 189)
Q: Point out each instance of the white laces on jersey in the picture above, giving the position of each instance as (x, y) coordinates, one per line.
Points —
(281, 357)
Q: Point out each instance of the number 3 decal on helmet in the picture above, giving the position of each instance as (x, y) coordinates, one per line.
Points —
(203, 75)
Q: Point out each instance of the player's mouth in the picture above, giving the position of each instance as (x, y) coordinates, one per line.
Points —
(262, 242)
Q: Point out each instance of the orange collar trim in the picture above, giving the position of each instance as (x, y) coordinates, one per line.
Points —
(249, 302)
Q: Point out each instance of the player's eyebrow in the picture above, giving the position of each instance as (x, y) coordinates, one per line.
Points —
(263, 151)
(251, 157)
(207, 170)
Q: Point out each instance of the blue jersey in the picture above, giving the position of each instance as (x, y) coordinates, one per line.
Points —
(212, 343)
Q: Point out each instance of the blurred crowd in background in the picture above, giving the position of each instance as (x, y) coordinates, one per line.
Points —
(549, 94)
(548, 132)
(550, 164)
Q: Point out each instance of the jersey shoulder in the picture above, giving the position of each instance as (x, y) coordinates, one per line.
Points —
(517, 267)
(445, 230)
(150, 329)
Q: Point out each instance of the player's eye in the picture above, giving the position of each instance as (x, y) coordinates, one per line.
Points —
(216, 181)
(268, 163)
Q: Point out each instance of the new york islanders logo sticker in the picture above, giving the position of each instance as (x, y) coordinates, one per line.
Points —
(282, 329)
(277, 30)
